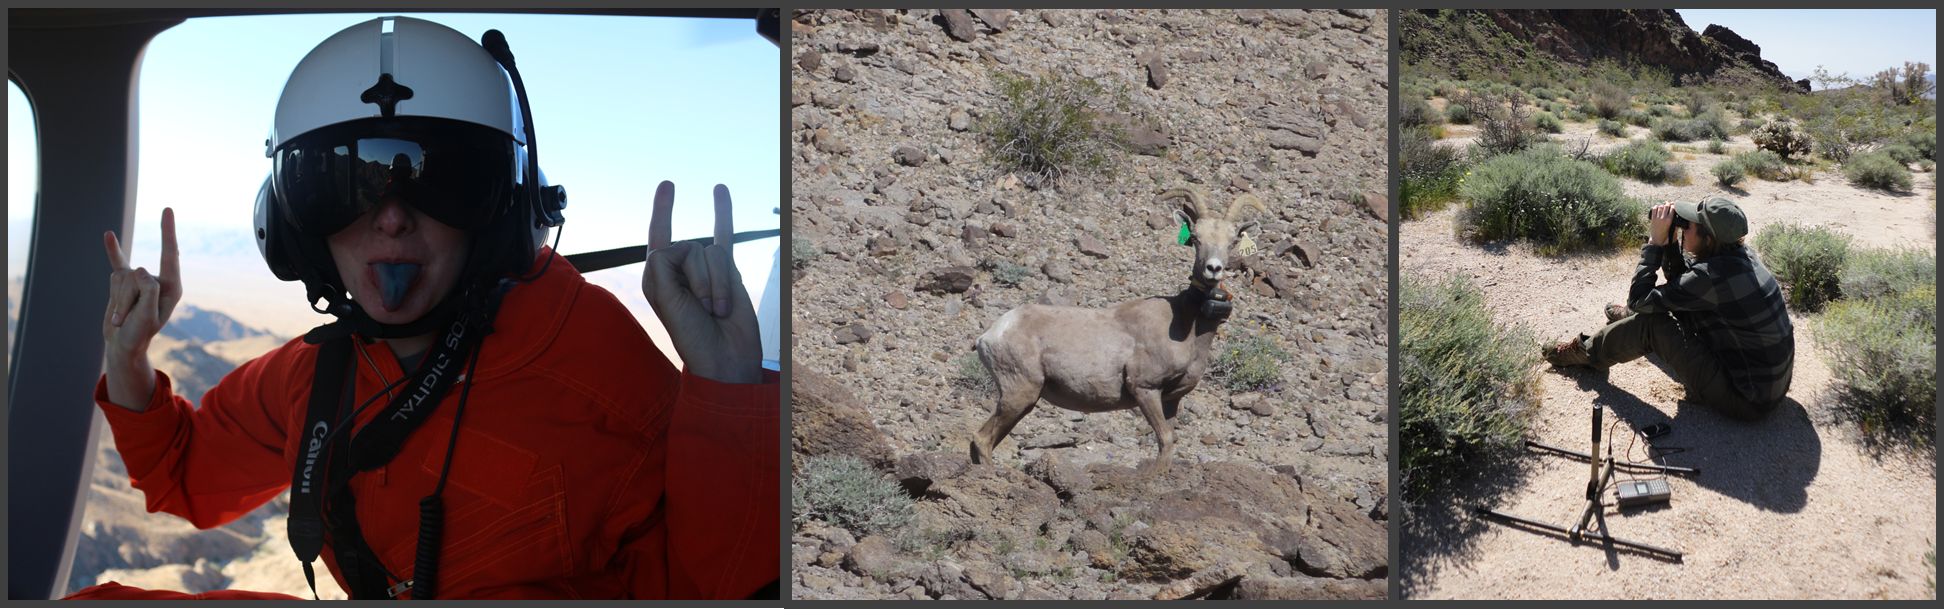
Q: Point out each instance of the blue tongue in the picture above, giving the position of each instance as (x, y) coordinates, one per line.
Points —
(393, 279)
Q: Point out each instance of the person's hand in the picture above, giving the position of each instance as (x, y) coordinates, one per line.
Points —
(1659, 220)
(139, 304)
(699, 296)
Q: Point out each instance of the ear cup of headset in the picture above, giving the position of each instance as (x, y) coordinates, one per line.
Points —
(273, 234)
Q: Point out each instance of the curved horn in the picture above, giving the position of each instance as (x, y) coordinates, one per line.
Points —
(1235, 207)
(1196, 206)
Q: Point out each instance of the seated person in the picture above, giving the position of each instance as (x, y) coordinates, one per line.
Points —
(1718, 321)
(480, 422)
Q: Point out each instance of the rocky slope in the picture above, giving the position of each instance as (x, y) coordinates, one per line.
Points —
(903, 227)
(1656, 37)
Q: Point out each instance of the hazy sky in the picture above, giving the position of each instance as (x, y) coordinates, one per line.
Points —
(1860, 42)
(620, 104)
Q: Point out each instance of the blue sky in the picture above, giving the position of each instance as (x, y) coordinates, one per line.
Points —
(620, 104)
(1860, 42)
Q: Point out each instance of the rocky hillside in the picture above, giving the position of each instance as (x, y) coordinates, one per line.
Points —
(910, 243)
(1510, 38)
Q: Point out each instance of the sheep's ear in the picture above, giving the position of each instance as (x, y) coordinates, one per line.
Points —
(1182, 217)
(1245, 227)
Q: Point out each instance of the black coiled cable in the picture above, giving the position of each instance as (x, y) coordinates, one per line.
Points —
(425, 562)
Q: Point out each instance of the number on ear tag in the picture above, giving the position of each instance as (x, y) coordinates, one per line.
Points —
(1245, 247)
(1183, 238)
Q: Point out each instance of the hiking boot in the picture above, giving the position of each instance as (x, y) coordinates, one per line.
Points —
(1569, 352)
(1617, 312)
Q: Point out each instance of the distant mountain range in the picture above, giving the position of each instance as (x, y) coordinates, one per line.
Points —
(197, 326)
(196, 348)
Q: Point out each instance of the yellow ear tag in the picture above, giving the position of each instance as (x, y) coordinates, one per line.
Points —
(1245, 247)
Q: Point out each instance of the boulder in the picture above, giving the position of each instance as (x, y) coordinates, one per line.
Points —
(827, 419)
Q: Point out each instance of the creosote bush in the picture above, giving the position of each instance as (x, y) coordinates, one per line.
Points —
(1884, 350)
(1544, 195)
(1643, 159)
(1468, 384)
(1049, 126)
(1716, 146)
(1763, 164)
(1613, 128)
(1877, 170)
(843, 491)
(1458, 114)
(1728, 173)
(1904, 154)
(1417, 112)
(1884, 272)
(1805, 260)
(1428, 173)
(1545, 121)
(1610, 100)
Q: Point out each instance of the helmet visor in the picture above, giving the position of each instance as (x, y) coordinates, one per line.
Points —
(460, 177)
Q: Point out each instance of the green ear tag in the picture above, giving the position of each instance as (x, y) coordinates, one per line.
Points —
(1183, 238)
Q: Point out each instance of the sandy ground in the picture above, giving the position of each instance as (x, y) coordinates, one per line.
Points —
(1793, 506)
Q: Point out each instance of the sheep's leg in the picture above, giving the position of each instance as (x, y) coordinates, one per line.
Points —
(1016, 399)
(1157, 417)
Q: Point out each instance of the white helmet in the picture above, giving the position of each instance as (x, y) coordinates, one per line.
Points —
(402, 106)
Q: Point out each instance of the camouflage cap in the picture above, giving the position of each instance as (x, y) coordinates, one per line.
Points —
(1723, 217)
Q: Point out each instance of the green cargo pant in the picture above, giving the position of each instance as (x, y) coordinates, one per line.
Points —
(1694, 364)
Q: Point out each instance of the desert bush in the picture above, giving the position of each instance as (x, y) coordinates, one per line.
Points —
(1252, 364)
(1004, 272)
(1642, 159)
(1637, 119)
(1415, 112)
(1676, 173)
(1884, 350)
(843, 491)
(1782, 138)
(1049, 126)
(969, 373)
(1763, 164)
(1728, 173)
(1717, 123)
(1659, 110)
(1807, 261)
(1557, 108)
(1904, 154)
(1458, 114)
(1717, 146)
(1502, 129)
(802, 251)
(1924, 140)
(1467, 384)
(1749, 124)
(1543, 195)
(1610, 100)
(1613, 128)
(1545, 121)
(1885, 272)
(1427, 174)
(1544, 93)
(1877, 170)
(1681, 130)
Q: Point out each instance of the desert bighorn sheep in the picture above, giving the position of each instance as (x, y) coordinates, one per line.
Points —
(1143, 354)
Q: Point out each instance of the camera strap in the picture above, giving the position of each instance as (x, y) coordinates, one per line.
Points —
(330, 459)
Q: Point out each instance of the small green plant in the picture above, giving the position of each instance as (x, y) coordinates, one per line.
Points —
(1749, 124)
(1458, 114)
(1428, 173)
(1638, 119)
(1558, 108)
(1728, 173)
(1717, 146)
(1467, 383)
(1543, 93)
(1417, 112)
(970, 373)
(1545, 121)
(842, 491)
(1805, 260)
(1642, 159)
(1764, 164)
(1252, 364)
(1659, 110)
(802, 251)
(1006, 546)
(1544, 195)
(1613, 128)
(1877, 170)
(1924, 141)
(1052, 125)
(1009, 274)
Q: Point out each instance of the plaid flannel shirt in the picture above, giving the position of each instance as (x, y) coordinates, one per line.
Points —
(1733, 303)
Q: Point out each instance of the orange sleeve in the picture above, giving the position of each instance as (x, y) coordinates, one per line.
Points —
(209, 465)
(723, 500)
(114, 591)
